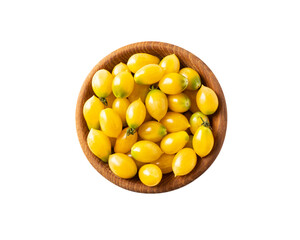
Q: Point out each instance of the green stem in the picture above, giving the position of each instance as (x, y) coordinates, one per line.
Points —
(103, 100)
(204, 123)
(130, 131)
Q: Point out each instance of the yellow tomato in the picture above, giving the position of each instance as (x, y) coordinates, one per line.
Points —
(138, 60)
(184, 162)
(193, 78)
(156, 104)
(91, 111)
(124, 142)
(145, 151)
(121, 67)
(175, 122)
(135, 115)
(110, 99)
(170, 64)
(122, 85)
(120, 106)
(101, 84)
(165, 163)
(150, 175)
(196, 120)
(152, 131)
(179, 102)
(173, 83)
(207, 100)
(99, 144)
(192, 96)
(190, 142)
(149, 74)
(122, 165)
(203, 141)
(110, 122)
(139, 91)
(173, 142)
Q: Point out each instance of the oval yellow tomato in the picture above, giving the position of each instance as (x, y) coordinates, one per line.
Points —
(145, 151)
(179, 102)
(170, 64)
(120, 106)
(122, 165)
(173, 83)
(149, 74)
(110, 122)
(124, 142)
(192, 96)
(152, 131)
(196, 120)
(101, 84)
(207, 100)
(192, 77)
(139, 91)
(156, 104)
(122, 85)
(135, 115)
(121, 67)
(175, 122)
(99, 144)
(184, 162)
(203, 141)
(173, 142)
(91, 110)
(138, 60)
(150, 175)
(165, 163)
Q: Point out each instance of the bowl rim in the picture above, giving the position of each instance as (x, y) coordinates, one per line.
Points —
(207, 76)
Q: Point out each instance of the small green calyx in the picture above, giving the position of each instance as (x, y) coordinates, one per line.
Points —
(103, 100)
(204, 123)
(130, 131)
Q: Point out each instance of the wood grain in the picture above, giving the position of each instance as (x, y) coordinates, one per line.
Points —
(218, 120)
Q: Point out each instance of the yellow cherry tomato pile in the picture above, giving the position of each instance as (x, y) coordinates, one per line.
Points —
(149, 117)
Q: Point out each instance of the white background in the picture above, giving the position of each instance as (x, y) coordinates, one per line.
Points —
(48, 188)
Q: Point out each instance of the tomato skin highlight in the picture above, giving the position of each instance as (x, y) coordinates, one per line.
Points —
(170, 64)
(150, 175)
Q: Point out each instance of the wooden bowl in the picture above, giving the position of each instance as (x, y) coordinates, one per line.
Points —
(218, 119)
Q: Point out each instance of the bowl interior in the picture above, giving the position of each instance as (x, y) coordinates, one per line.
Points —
(218, 119)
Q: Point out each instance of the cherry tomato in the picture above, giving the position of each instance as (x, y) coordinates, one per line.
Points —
(150, 175)
(156, 104)
(138, 60)
(203, 141)
(193, 78)
(165, 163)
(173, 83)
(121, 67)
(135, 115)
(175, 122)
(99, 144)
(170, 64)
(145, 151)
(101, 84)
(173, 142)
(122, 85)
(124, 141)
(91, 111)
(207, 100)
(152, 131)
(120, 106)
(179, 102)
(110, 122)
(149, 74)
(139, 91)
(122, 165)
(196, 120)
(184, 162)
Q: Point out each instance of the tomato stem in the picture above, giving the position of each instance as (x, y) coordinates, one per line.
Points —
(103, 100)
(130, 131)
(204, 123)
